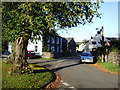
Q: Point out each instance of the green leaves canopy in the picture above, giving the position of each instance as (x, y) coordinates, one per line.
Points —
(37, 18)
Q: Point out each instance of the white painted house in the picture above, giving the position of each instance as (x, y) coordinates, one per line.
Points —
(81, 47)
(35, 46)
(93, 43)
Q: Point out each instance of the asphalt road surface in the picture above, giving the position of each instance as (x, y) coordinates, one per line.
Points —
(79, 76)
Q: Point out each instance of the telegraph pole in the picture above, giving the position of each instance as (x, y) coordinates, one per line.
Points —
(102, 28)
(103, 46)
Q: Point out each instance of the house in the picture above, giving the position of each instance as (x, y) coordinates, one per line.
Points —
(35, 45)
(71, 45)
(95, 42)
(57, 44)
(91, 44)
(81, 47)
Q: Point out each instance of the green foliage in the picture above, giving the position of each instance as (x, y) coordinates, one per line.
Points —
(115, 45)
(37, 18)
(46, 49)
(32, 19)
(109, 66)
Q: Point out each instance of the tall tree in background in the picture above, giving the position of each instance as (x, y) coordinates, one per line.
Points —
(27, 20)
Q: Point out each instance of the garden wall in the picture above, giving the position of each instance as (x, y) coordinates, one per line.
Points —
(114, 57)
(55, 54)
(51, 55)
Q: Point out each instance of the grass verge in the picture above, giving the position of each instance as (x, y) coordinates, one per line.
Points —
(39, 77)
(47, 58)
(109, 66)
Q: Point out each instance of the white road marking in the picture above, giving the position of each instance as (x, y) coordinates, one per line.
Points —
(59, 63)
(63, 82)
(68, 85)
(72, 87)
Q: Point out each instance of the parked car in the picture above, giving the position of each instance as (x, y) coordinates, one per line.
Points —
(30, 54)
(6, 54)
(86, 57)
(37, 54)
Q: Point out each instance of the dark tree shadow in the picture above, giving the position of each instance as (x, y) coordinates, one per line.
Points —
(44, 61)
(59, 68)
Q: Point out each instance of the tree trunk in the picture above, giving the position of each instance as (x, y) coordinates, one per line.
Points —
(13, 51)
(20, 51)
(45, 46)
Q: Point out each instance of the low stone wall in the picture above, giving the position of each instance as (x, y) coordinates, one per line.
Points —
(55, 55)
(51, 55)
(47, 55)
(114, 57)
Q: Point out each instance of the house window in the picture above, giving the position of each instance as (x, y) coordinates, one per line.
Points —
(99, 42)
(53, 49)
(57, 40)
(36, 48)
(57, 48)
(61, 45)
(48, 46)
(53, 41)
(93, 42)
(48, 40)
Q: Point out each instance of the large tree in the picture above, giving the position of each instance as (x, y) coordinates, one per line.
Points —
(22, 21)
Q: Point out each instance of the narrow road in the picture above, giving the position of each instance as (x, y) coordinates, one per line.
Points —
(76, 76)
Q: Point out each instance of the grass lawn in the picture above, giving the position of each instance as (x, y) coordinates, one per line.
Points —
(47, 58)
(39, 77)
(109, 66)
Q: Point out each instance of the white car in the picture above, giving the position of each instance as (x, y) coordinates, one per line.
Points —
(86, 57)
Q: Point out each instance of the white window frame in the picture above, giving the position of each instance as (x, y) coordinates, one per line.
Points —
(53, 49)
(57, 40)
(57, 48)
(53, 40)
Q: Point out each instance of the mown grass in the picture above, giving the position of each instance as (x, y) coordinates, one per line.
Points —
(47, 58)
(32, 80)
(109, 66)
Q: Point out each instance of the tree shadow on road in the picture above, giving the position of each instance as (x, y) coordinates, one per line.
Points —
(59, 68)
(44, 61)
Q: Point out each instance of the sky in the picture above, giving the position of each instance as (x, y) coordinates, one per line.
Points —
(109, 19)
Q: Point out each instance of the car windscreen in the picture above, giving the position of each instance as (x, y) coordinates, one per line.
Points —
(86, 54)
